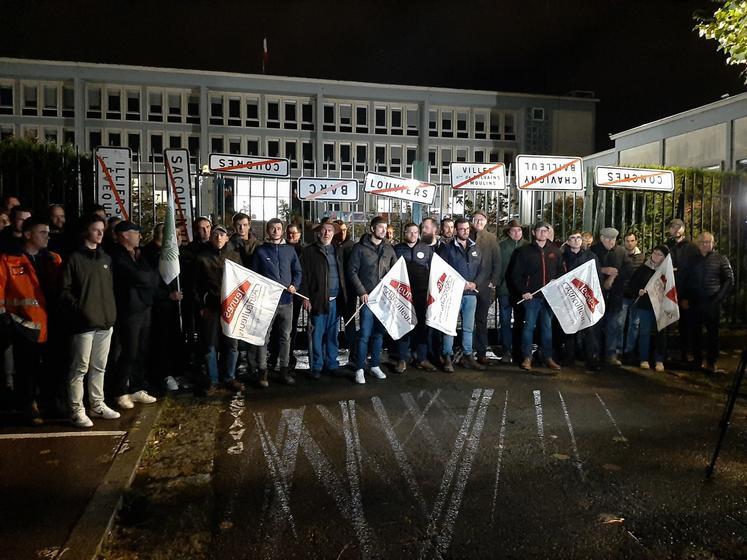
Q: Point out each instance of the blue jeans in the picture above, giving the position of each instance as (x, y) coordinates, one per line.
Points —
(631, 335)
(214, 339)
(467, 309)
(613, 324)
(536, 311)
(647, 321)
(371, 330)
(324, 339)
(504, 309)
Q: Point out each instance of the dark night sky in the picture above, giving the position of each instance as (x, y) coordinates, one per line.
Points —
(641, 58)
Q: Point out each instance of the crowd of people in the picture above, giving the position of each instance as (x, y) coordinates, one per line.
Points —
(90, 306)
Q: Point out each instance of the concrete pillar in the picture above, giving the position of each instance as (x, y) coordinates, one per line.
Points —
(79, 108)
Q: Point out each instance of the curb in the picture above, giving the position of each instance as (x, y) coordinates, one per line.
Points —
(86, 538)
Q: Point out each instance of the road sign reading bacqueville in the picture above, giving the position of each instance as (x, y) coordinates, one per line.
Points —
(403, 189)
(488, 176)
(327, 189)
(549, 173)
(634, 178)
(258, 166)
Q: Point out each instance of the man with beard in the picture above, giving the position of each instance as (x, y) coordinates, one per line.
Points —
(447, 231)
(507, 297)
(682, 251)
(487, 243)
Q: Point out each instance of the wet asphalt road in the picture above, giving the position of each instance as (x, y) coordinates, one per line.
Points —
(501, 464)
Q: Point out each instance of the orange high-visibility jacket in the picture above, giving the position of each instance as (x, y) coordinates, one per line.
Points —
(21, 294)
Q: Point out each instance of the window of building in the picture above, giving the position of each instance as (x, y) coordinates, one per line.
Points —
(481, 118)
(380, 161)
(508, 157)
(395, 155)
(412, 122)
(175, 141)
(133, 142)
(156, 146)
(155, 106)
(193, 109)
(114, 104)
(234, 146)
(94, 139)
(307, 152)
(252, 112)
(479, 155)
(412, 154)
(273, 114)
(346, 118)
(68, 102)
(291, 120)
(432, 123)
(114, 139)
(307, 116)
(291, 153)
(329, 117)
(395, 115)
(216, 144)
(6, 99)
(30, 101)
(538, 114)
(216, 109)
(50, 135)
(462, 124)
(193, 146)
(509, 129)
(30, 132)
(133, 105)
(346, 157)
(495, 124)
(51, 101)
(447, 118)
(175, 107)
(361, 157)
(380, 120)
(252, 147)
(361, 119)
(68, 136)
(93, 103)
(234, 111)
(273, 148)
(432, 161)
(495, 156)
(329, 156)
(7, 131)
(461, 154)
(445, 161)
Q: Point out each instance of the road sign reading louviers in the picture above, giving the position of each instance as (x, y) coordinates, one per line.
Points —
(487, 176)
(398, 187)
(328, 189)
(549, 173)
(113, 180)
(258, 166)
(634, 178)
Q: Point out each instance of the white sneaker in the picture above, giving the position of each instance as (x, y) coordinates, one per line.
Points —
(645, 365)
(103, 411)
(377, 373)
(359, 377)
(80, 420)
(171, 383)
(659, 366)
(125, 402)
(142, 397)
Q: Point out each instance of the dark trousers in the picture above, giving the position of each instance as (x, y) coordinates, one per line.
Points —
(485, 297)
(29, 370)
(707, 316)
(686, 329)
(133, 332)
(584, 342)
(167, 345)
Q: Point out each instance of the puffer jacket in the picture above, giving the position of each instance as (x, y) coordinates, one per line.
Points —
(615, 258)
(88, 290)
(468, 263)
(573, 260)
(278, 262)
(535, 266)
(507, 248)
(707, 280)
(368, 264)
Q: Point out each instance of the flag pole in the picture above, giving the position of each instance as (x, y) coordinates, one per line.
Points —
(179, 305)
(357, 310)
(522, 300)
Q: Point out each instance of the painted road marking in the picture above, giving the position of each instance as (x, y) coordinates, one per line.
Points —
(576, 456)
(423, 427)
(36, 435)
(540, 418)
(620, 435)
(501, 447)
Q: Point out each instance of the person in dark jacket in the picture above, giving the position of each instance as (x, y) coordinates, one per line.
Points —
(536, 265)
(487, 243)
(683, 251)
(507, 298)
(615, 267)
(11, 237)
(88, 300)
(706, 282)
(636, 291)
(277, 260)
(574, 255)
(417, 257)
(637, 258)
(344, 242)
(209, 267)
(135, 284)
(463, 255)
(323, 282)
(370, 260)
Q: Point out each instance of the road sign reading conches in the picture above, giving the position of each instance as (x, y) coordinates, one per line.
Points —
(634, 178)
(549, 173)
(258, 166)
(488, 176)
(327, 189)
(400, 188)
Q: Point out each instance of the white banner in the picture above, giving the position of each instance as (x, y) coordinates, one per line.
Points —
(489, 176)
(576, 298)
(549, 173)
(113, 180)
(248, 303)
(397, 187)
(662, 292)
(168, 261)
(391, 301)
(177, 177)
(445, 288)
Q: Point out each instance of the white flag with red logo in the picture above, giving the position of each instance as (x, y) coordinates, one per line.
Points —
(391, 301)
(445, 287)
(663, 294)
(248, 303)
(576, 298)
